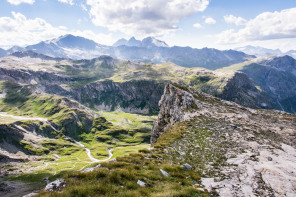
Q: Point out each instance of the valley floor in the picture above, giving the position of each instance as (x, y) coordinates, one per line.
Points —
(29, 173)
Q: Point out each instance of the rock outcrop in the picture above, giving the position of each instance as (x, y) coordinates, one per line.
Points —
(239, 151)
(174, 106)
(56, 185)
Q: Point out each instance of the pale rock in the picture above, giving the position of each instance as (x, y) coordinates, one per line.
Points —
(56, 185)
(186, 166)
(141, 183)
(164, 173)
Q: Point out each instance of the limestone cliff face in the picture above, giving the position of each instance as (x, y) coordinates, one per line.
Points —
(142, 96)
(240, 89)
(276, 76)
(174, 106)
(139, 96)
(31, 77)
(240, 151)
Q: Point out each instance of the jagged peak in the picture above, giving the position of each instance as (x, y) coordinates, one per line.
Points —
(120, 42)
(132, 39)
(151, 41)
(146, 42)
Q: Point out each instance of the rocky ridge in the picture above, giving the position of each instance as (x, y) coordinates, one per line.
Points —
(241, 151)
(276, 76)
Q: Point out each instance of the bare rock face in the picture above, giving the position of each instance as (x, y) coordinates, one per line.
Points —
(186, 166)
(164, 173)
(56, 185)
(5, 187)
(241, 90)
(277, 77)
(137, 96)
(174, 106)
(239, 151)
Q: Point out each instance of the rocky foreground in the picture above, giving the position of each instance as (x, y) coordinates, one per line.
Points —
(241, 151)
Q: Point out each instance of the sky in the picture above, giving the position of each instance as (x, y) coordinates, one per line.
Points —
(221, 24)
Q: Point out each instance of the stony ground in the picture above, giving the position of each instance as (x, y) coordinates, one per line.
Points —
(241, 151)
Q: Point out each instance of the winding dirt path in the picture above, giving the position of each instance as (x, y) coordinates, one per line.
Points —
(86, 149)
(89, 153)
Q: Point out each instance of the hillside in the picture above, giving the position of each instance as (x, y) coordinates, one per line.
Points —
(276, 76)
(147, 98)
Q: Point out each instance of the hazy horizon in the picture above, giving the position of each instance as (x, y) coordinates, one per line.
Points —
(217, 24)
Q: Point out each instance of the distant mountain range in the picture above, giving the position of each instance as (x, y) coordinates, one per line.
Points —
(146, 50)
(261, 51)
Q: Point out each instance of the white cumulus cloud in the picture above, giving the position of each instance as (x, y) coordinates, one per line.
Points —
(21, 31)
(84, 8)
(67, 1)
(235, 20)
(198, 25)
(143, 17)
(210, 21)
(17, 2)
(18, 30)
(266, 26)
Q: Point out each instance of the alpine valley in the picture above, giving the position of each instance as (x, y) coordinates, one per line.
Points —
(141, 118)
